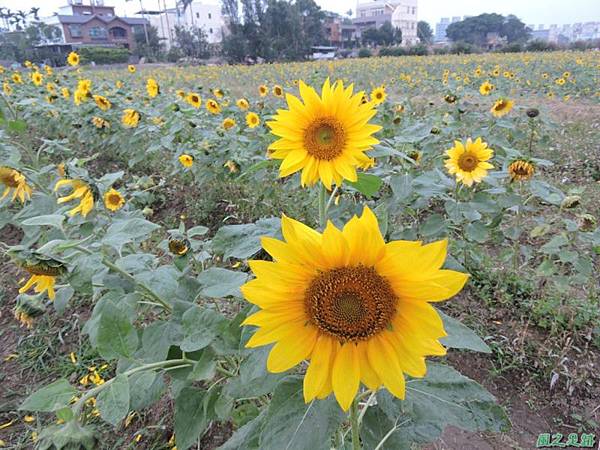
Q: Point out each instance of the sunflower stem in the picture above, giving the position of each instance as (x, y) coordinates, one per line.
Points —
(354, 425)
(322, 206)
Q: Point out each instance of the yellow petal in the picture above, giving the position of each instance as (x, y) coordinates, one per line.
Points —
(345, 376)
(292, 350)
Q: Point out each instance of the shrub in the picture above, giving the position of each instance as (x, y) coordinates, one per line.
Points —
(104, 55)
(462, 48)
(441, 51)
(392, 51)
(538, 45)
(418, 50)
(515, 47)
(365, 53)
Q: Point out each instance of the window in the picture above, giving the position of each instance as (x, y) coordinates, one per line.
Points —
(209, 15)
(210, 30)
(414, 10)
(197, 15)
(118, 33)
(98, 33)
(75, 31)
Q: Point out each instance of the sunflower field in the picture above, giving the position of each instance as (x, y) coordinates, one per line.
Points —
(354, 254)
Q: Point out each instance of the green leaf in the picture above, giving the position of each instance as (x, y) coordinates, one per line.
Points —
(434, 225)
(444, 397)
(116, 336)
(401, 187)
(461, 336)
(158, 337)
(50, 398)
(290, 423)
(477, 232)
(18, 126)
(246, 437)
(243, 241)
(53, 220)
(145, 388)
(113, 400)
(201, 326)
(65, 414)
(190, 417)
(219, 283)
(205, 367)
(163, 281)
(554, 245)
(122, 232)
(366, 184)
(198, 230)
(63, 295)
(254, 379)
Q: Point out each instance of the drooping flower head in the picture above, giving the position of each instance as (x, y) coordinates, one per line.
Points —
(521, 170)
(15, 181)
(469, 161)
(243, 104)
(324, 136)
(81, 191)
(130, 118)
(502, 107)
(102, 102)
(354, 306)
(42, 268)
(212, 106)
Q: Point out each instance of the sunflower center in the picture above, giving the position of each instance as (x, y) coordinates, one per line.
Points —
(467, 162)
(501, 105)
(114, 199)
(325, 138)
(350, 303)
(8, 178)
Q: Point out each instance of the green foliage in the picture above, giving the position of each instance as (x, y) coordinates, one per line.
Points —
(386, 34)
(50, 398)
(191, 43)
(104, 55)
(365, 53)
(475, 30)
(424, 32)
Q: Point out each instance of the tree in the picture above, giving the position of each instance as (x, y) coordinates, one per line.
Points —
(384, 35)
(424, 32)
(192, 42)
(152, 49)
(474, 30)
(39, 33)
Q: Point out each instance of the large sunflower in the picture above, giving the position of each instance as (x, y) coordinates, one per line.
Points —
(468, 162)
(324, 136)
(354, 306)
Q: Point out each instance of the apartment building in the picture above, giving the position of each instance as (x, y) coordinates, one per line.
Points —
(400, 13)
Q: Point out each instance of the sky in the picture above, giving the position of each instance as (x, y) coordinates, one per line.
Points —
(530, 11)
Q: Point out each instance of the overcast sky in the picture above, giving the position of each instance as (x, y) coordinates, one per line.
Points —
(530, 11)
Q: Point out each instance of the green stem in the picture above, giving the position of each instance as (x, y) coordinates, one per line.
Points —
(96, 390)
(9, 106)
(516, 244)
(322, 206)
(355, 425)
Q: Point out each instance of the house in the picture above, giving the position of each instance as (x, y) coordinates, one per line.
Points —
(339, 31)
(197, 15)
(400, 13)
(95, 24)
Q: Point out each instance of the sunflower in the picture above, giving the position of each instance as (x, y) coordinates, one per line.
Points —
(73, 59)
(193, 99)
(468, 162)
(84, 86)
(243, 104)
(354, 306)
(178, 246)
(102, 102)
(186, 160)
(502, 107)
(218, 93)
(277, 91)
(15, 180)
(263, 90)
(113, 200)
(180, 93)
(252, 120)
(48, 70)
(152, 87)
(450, 98)
(131, 68)
(486, 88)
(521, 170)
(80, 190)
(228, 123)
(325, 136)
(232, 166)
(560, 81)
(37, 78)
(130, 118)
(378, 95)
(41, 284)
(17, 79)
(212, 106)
(6, 88)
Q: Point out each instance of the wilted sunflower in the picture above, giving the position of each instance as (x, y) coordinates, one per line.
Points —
(277, 91)
(113, 200)
(450, 98)
(243, 104)
(73, 59)
(80, 190)
(252, 120)
(486, 88)
(6, 88)
(324, 136)
(100, 123)
(354, 306)
(15, 180)
(232, 166)
(37, 78)
(468, 162)
(502, 107)
(378, 95)
(228, 123)
(130, 118)
(263, 90)
(65, 92)
(131, 68)
(194, 99)
(102, 102)
(186, 160)
(521, 170)
(152, 87)
(212, 106)
(43, 270)
(218, 93)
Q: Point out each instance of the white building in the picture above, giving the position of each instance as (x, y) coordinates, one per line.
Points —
(208, 17)
(401, 13)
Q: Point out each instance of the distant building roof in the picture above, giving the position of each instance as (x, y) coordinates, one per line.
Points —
(106, 19)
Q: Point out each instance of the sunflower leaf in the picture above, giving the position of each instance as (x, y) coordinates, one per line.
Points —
(461, 336)
(366, 184)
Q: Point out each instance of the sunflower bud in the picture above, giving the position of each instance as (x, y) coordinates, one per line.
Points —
(571, 201)
(532, 112)
(451, 98)
(435, 130)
